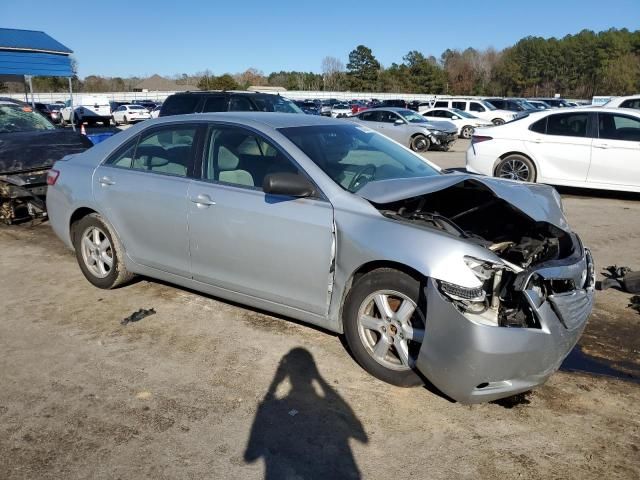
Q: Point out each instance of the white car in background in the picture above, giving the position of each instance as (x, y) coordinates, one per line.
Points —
(155, 113)
(632, 101)
(87, 108)
(130, 113)
(340, 110)
(465, 122)
(477, 107)
(591, 147)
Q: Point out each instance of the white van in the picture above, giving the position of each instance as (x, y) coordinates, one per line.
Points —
(476, 107)
(87, 108)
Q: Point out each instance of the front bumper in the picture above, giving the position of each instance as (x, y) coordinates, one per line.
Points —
(443, 139)
(473, 363)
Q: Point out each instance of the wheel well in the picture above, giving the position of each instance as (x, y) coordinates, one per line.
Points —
(77, 215)
(505, 155)
(375, 265)
(418, 135)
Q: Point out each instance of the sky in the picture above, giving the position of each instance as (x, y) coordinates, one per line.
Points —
(168, 37)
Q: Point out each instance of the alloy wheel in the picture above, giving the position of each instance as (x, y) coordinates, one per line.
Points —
(391, 329)
(97, 252)
(515, 169)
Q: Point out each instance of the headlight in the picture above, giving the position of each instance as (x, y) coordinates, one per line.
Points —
(436, 132)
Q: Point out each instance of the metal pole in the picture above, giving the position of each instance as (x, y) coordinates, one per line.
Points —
(73, 123)
(33, 103)
(26, 94)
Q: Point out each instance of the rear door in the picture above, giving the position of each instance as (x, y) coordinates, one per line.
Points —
(563, 151)
(275, 248)
(143, 188)
(615, 158)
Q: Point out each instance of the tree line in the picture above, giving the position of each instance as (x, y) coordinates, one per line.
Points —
(576, 66)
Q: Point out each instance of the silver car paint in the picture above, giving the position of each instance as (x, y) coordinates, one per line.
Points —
(403, 133)
(362, 236)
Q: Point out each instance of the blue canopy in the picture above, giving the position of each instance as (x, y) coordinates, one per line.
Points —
(27, 52)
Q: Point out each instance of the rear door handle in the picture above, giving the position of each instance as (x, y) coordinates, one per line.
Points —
(203, 200)
(106, 181)
(537, 140)
(601, 145)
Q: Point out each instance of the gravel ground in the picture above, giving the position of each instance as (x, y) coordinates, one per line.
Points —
(209, 389)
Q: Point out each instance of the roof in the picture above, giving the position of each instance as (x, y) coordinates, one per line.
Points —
(29, 52)
(269, 119)
(161, 84)
(31, 40)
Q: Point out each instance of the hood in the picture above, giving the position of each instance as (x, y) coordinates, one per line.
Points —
(24, 151)
(539, 202)
(439, 125)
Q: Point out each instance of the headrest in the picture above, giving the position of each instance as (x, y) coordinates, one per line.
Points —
(227, 160)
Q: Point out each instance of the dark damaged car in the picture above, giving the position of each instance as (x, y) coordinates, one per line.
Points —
(29, 145)
(476, 284)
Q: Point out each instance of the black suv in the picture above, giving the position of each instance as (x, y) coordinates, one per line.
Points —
(201, 102)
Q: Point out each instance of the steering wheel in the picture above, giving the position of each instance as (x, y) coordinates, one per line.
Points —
(361, 171)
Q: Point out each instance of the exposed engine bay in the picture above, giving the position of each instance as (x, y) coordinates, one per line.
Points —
(470, 210)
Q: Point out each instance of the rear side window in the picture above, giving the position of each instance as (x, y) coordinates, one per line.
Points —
(179, 105)
(568, 124)
(459, 105)
(442, 104)
(215, 104)
(618, 127)
(540, 126)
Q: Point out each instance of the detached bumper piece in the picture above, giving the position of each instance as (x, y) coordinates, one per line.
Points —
(473, 362)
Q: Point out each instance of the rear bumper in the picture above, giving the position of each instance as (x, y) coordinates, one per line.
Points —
(474, 363)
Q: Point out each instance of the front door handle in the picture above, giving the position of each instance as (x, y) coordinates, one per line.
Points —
(203, 200)
(601, 145)
(106, 181)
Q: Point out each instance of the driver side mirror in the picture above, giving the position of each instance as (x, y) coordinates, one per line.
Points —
(455, 117)
(399, 122)
(289, 184)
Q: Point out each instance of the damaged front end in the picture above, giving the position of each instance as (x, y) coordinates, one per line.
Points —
(510, 329)
(22, 196)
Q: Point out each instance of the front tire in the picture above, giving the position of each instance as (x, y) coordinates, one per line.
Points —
(420, 143)
(126, 120)
(99, 253)
(516, 167)
(498, 121)
(466, 131)
(384, 325)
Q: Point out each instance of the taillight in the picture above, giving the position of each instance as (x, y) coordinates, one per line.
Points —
(479, 138)
(52, 177)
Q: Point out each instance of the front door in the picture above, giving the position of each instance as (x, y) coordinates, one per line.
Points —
(275, 248)
(615, 158)
(143, 189)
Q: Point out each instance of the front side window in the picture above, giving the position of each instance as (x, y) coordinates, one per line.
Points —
(618, 127)
(168, 150)
(241, 158)
(240, 104)
(441, 104)
(632, 103)
(476, 107)
(353, 155)
(276, 103)
(568, 124)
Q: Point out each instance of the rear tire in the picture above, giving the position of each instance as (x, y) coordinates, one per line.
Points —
(368, 331)
(115, 123)
(126, 120)
(516, 167)
(106, 122)
(99, 252)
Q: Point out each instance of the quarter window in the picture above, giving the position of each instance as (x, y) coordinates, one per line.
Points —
(632, 103)
(568, 124)
(540, 126)
(618, 127)
(239, 157)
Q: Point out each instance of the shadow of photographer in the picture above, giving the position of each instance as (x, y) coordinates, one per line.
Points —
(305, 433)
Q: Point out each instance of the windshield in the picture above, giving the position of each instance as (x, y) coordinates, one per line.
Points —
(353, 155)
(412, 117)
(16, 118)
(462, 113)
(136, 107)
(276, 103)
(341, 106)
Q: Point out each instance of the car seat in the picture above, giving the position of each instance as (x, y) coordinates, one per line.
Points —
(228, 169)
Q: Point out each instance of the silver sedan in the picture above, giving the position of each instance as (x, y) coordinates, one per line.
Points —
(477, 284)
